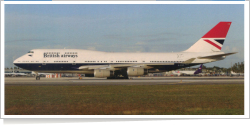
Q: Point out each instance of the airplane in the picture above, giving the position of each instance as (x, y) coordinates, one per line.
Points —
(40, 74)
(15, 74)
(222, 73)
(114, 65)
(236, 74)
(198, 71)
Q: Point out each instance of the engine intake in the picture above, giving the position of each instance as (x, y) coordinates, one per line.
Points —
(102, 73)
(134, 71)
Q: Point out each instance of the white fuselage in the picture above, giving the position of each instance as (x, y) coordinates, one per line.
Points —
(87, 56)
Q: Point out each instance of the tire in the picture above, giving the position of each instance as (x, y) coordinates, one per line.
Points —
(37, 77)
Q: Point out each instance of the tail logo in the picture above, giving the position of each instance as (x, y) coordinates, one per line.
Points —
(216, 43)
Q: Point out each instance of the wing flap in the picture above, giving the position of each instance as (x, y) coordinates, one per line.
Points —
(189, 60)
(156, 64)
(90, 67)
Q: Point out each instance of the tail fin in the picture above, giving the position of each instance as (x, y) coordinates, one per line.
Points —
(198, 70)
(212, 40)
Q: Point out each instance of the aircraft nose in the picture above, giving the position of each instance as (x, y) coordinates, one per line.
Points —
(16, 61)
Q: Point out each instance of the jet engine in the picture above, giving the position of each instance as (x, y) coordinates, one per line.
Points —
(102, 73)
(135, 71)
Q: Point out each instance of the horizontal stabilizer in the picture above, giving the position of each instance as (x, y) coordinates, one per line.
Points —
(216, 56)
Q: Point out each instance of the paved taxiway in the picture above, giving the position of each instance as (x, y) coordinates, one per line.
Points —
(133, 81)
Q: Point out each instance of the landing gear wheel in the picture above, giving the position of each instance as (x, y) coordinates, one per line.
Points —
(113, 77)
(37, 77)
(126, 77)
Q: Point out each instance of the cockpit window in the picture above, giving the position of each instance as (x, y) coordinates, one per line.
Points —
(31, 52)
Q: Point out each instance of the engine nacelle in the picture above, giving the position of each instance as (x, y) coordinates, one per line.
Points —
(102, 73)
(135, 71)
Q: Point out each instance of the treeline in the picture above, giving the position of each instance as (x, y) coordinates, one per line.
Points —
(237, 68)
(12, 68)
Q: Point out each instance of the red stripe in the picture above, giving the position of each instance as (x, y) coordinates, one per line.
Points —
(210, 42)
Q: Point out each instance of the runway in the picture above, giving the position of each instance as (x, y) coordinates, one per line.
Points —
(133, 81)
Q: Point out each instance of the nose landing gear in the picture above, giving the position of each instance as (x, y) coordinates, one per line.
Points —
(37, 76)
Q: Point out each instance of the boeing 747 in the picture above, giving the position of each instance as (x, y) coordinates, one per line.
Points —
(115, 65)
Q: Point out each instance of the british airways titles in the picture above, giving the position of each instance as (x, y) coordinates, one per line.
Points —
(58, 55)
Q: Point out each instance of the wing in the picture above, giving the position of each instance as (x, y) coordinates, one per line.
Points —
(121, 66)
(146, 66)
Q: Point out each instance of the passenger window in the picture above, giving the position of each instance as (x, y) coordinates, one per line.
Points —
(31, 52)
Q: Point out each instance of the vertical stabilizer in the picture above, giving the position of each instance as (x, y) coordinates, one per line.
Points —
(213, 40)
(198, 70)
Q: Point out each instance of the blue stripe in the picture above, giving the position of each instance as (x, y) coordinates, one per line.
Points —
(220, 41)
(69, 66)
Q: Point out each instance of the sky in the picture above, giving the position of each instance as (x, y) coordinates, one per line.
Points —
(120, 28)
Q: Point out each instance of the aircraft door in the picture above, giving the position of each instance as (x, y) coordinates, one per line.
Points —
(74, 62)
(44, 61)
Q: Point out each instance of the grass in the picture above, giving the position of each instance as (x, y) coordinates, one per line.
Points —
(227, 99)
